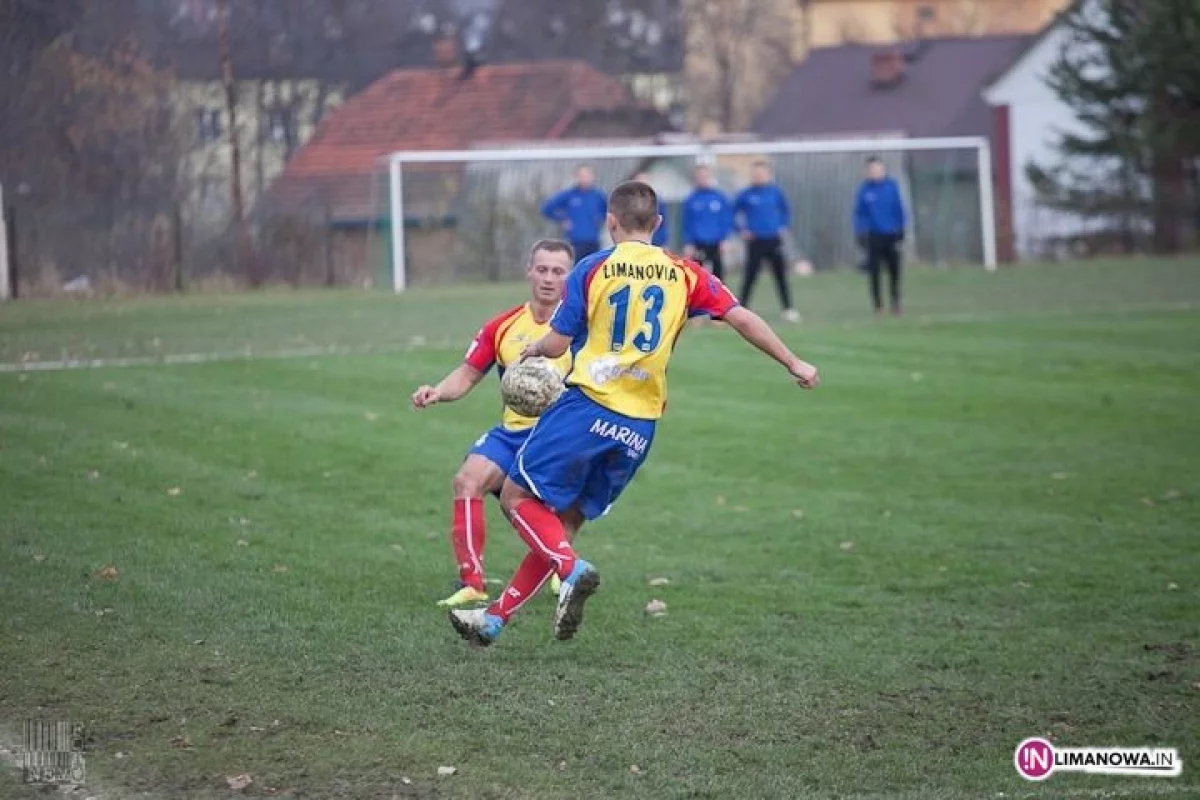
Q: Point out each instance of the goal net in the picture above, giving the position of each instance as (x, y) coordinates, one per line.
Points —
(471, 215)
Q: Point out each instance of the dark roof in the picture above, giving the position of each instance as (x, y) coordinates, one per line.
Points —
(831, 93)
(433, 109)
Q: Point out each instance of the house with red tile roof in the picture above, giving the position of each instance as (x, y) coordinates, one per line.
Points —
(436, 109)
(339, 175)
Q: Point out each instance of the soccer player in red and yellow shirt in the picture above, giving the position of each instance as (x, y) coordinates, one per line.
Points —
(620, 316)
(499, 343)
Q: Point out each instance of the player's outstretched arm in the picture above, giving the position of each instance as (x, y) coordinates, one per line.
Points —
(457, 384)
(756, 331)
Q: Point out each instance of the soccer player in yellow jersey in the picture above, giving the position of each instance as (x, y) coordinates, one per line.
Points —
(621, 312)
(499, 343)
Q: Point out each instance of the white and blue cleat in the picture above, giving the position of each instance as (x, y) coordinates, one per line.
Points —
(575, 590)
(476, 626)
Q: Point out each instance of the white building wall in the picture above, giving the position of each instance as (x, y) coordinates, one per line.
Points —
(1037, 120)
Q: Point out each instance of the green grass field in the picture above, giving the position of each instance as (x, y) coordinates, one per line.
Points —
(985, 525)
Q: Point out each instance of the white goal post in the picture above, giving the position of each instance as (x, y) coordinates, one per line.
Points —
(5, 264)
(517, 163)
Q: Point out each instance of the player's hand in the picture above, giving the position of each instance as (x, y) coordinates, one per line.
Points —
(805, 374)
(530, 351)
(425, 397)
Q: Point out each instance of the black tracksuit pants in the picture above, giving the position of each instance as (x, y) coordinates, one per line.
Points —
(883, 252)
(710, 256)
(769, 249)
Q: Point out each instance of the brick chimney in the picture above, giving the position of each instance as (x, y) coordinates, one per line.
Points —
(445, 51)
(887, 68)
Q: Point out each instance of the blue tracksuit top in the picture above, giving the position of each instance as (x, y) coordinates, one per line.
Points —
(583, 208)
(762, 210)
(879, 208)
(707, 217)
(663, 234)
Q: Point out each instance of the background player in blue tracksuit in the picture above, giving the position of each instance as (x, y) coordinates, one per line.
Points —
(662, 234)
(707, 222)
(580, 212)
(879, 223)
(762, 215)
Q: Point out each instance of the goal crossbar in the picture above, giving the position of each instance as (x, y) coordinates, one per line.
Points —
(684, 150)
(396, 161)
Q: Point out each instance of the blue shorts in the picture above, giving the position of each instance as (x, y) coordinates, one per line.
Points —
(580, 453)
(499, 446)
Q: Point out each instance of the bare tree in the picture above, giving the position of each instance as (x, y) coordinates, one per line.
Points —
(27, 28)
(92, 147)
(618, 36)
(737, 53)
(242, 249)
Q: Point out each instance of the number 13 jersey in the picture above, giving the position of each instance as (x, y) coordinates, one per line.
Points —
(623, 309)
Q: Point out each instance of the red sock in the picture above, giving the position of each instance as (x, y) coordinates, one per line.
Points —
(543, 532)
(468, 536)
(533, 572)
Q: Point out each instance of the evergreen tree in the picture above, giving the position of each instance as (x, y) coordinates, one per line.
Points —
(1128, 69)
(1170, 37)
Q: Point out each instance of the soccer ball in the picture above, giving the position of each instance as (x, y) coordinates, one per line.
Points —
(529, 387)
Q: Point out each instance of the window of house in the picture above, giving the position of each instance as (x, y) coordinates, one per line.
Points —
(208, 124)
(280, 127)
